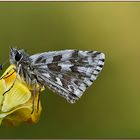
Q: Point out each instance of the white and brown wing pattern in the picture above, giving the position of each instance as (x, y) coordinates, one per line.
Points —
(68, 72)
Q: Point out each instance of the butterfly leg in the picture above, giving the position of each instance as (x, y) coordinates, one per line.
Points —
(34, 95)
(38, 98)
(13, 81)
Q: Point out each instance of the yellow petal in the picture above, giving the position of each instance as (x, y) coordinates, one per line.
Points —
(18, 95)
(23, 114)
(37, 110)
(2, 89)
(17, 104)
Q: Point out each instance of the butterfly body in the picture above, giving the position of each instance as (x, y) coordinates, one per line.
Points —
(68, 72)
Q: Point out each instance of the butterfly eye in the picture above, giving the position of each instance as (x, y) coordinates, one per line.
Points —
(18, 56)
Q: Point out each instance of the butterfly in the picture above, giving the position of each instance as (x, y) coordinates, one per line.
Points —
(67, 72)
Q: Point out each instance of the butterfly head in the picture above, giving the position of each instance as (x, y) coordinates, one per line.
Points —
(16, 56)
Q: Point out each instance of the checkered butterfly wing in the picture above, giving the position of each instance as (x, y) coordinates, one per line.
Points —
(68, 72)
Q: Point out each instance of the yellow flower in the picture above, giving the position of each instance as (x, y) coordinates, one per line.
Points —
(16, 106)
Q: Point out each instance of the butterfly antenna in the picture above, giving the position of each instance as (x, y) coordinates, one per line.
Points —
(2, 64)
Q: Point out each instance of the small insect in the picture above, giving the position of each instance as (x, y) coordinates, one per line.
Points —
(67, 72)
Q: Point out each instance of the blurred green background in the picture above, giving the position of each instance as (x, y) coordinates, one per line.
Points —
(111, 107)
